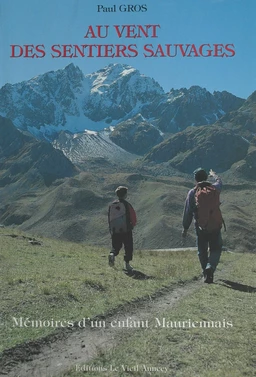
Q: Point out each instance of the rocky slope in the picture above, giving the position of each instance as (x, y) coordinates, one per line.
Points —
(208, 147)
(182, 108)
(243, 120)
(27, 161)
(136, 135)
(89, 145)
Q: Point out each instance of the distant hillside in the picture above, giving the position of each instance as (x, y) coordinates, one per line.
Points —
(28, 161)
(136, 135)
(209, 147)
(75, 209)
(244, 169)
(243, 120)
(196, 106)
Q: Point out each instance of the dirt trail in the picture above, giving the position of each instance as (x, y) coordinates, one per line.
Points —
(51, 356)
(82, 345)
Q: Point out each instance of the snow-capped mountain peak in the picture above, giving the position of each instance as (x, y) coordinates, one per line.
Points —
(68, 100)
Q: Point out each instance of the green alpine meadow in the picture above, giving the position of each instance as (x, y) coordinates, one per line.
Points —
(50, 286)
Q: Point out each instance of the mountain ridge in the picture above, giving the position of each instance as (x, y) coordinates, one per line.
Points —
(68, 100)
(27, 161)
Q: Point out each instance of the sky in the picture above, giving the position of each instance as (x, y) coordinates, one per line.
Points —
(184, 22)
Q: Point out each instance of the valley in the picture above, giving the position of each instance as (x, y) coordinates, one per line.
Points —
(85, 135)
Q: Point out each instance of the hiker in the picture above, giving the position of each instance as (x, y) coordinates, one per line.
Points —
(121, 220)
(202, 203)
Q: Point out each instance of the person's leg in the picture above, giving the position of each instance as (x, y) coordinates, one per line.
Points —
(202, 245)
(215, 245)
(128, 246)
(116, 247)
(116, 243)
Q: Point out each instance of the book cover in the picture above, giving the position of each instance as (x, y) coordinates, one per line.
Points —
(96, 95)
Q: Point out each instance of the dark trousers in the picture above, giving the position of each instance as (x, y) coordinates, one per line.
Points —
(120, 239)
(214, 242)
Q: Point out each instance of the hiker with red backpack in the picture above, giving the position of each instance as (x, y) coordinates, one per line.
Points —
(202, 203)
(121, 220)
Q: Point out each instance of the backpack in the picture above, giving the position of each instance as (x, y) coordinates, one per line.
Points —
(208, 213)
(117, 217)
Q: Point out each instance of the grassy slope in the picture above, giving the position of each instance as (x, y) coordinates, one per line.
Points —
(76, 210)
(67, 281)
(216, 351)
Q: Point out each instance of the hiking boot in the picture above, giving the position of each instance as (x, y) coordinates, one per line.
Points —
(208, 275)
(111, 259)
(128, 267)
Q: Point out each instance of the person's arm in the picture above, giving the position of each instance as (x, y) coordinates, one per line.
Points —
(133, 217)
(188, 212)
(218, 182)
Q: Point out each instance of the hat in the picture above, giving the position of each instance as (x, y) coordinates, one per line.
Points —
(121, 191)
(200, 175)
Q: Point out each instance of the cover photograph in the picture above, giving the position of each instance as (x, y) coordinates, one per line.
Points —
(127, 188)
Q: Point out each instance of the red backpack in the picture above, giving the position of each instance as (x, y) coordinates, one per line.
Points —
(208, 214)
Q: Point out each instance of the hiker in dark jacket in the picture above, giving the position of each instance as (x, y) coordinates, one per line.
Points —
(204, 237)
(121, 220)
